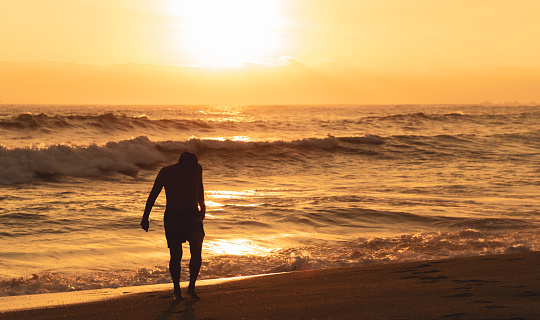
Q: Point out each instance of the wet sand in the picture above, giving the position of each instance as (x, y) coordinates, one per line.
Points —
(486, 287)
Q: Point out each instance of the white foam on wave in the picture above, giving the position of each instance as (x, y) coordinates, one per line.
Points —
(20, 165)
(362, 251)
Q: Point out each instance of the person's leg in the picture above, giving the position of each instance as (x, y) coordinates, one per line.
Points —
(195, 247)
(175, 268)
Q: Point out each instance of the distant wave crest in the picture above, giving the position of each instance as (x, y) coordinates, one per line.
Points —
(107, 121)
(121, 122)
(452, 117)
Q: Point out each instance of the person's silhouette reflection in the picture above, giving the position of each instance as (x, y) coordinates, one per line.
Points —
(184, 215)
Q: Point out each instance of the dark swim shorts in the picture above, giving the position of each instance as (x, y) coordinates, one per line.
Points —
(178, 234)
(180, 225)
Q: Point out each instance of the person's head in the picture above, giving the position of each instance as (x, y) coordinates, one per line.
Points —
(188, 160)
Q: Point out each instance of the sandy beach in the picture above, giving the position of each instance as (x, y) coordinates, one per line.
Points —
(483, 287)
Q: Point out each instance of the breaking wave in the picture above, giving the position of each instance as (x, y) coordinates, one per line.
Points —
(19, 165)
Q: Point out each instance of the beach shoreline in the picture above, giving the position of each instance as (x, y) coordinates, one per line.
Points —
(477, 287)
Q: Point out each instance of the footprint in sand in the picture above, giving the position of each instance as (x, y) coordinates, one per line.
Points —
(454, 315)
(459, 295)
(482, 301)
(528, 294)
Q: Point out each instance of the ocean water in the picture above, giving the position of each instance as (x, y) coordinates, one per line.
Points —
(287, 188)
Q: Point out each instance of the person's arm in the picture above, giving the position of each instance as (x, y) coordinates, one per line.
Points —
(156, 189)
(200, 198)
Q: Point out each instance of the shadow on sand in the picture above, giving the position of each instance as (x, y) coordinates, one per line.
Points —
(185, 308)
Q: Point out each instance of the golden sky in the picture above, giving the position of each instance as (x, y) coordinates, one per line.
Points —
(269, 51)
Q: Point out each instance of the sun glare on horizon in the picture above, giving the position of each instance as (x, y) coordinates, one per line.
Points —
(227, 33)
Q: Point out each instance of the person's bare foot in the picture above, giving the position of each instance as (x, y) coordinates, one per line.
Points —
(192, 293)
(178, 294)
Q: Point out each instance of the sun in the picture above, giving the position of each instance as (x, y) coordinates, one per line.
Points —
(218, 32)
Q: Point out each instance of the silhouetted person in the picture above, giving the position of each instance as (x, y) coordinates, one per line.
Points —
(182, 219)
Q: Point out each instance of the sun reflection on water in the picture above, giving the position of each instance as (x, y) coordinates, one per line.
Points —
(212, 204)
(235, 247)
(227, 194)
(229, 138)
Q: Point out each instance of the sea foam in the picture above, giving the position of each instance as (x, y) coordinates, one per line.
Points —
(362, 251)
(19, 165)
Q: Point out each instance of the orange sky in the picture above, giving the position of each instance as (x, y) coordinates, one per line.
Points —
(269, 51)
